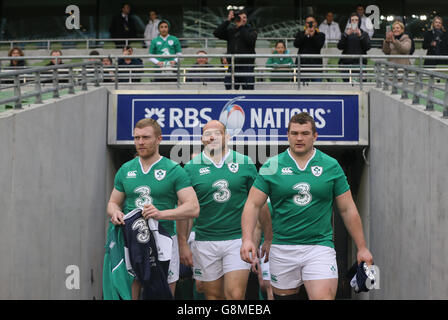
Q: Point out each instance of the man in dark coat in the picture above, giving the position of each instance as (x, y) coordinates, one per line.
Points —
(354, 40)
(123, 26)
(241, 39)
(309, 41)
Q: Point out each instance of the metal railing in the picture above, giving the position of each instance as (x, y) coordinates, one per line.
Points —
(37, 81)
(297, 73)
(184, 74)
(92, 43)
(411, 82)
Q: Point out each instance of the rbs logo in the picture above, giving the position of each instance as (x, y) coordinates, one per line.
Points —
(179, 117)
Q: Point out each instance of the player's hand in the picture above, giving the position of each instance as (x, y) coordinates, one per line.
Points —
(117, 218)
(265, 248)
(248, 252)
(185, 255)
(149, 211)
(160, 64)
(358, 32)
(255, 266)
(173, 63)
(364, 255)
(231, 15)
(349, 31)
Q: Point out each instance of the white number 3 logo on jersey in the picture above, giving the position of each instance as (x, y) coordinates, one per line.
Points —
(144, 197)
(223, 194)
(304, 196)
(143, 235)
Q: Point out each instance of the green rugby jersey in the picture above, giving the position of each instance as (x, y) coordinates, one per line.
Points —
(158, 186)
(222, 192)
(302, 199)
(117, 281)
(165, 47)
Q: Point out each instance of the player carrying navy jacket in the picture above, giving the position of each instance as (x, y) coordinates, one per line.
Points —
(156, 185)
(142, 247)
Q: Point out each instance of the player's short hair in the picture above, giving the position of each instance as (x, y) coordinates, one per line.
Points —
(302, 118)
(149, 122)
(221, 123)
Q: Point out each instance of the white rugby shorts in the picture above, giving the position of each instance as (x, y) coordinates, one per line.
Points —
(213, 259)
(291, 265)
(264, 266)
(173, 269)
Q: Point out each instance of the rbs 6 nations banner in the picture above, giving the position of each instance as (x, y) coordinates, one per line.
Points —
(249, 118)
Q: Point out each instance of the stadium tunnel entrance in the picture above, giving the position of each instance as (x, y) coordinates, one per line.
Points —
(351, 159)
(260, 119)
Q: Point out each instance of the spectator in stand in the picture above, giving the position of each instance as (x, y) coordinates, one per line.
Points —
(16, 52)
(330, 28)
(94, 53)
(397, 43)
(123, 26)
(130, 63)
(107, 70)
(152, 28)
(280, 64)
(165, 44)
(225, 65)
(354, 40)
(241, 39)
(366, 23)
(435, 40)
(55, 61)
(202, 62)
(15, 64)
(310, 41)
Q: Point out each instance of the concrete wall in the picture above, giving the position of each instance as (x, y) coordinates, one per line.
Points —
(408, 198)
(53, 197)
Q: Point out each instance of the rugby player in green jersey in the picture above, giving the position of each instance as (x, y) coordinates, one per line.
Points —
(156, 185)
(165, 44)
(302, 184)
(222, 179)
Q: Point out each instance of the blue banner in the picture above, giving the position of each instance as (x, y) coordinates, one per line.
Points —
(248, 116)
